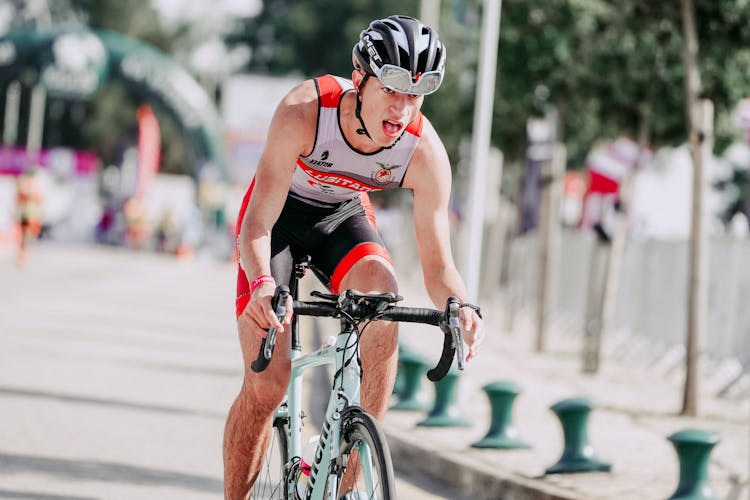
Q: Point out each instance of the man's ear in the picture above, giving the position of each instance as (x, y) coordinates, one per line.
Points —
(357, 76)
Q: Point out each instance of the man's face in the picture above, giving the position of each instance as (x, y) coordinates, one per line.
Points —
(386, 113)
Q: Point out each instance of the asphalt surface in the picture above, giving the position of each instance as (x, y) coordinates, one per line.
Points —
(115, 376)
(117, 368)
(116, 373)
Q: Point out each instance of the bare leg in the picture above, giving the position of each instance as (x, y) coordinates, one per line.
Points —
(23, 244)
(379, 352)
(378, 345)
(248, 428)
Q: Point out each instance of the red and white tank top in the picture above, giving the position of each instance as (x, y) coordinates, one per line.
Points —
(334, 171)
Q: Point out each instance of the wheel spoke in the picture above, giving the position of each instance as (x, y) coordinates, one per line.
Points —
(368, 471)
(271, 483)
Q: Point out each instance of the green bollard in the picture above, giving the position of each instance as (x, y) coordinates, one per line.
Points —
(412, 395)
(578, 455)
(502, 434)
(445, 412)
(398, 384)
(693, 449)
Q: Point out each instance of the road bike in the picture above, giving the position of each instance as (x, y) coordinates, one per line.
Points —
(351, 449)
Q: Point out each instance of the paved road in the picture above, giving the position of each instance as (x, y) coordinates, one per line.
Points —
(116, 371)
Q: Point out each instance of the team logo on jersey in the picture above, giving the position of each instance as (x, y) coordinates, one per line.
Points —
(322, 162)
(384, 174)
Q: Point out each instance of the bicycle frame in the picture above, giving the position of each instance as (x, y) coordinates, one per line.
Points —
(345, 393)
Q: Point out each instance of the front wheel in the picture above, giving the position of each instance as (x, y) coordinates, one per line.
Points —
(364, 463)
(271, 481)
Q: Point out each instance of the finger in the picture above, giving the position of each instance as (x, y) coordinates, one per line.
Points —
(264, 317)
(289, 311)
(467, 322)
(260, 326)
(478, 336)
(472, 353)
(273, 321)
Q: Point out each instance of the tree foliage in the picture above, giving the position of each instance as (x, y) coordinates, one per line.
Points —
(311, 37)
(134, 18)
(610, 68)
(111, 122)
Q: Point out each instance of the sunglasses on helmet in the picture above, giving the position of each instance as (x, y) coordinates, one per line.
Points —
(400, 79)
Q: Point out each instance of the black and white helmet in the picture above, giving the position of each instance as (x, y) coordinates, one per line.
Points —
(404, 54)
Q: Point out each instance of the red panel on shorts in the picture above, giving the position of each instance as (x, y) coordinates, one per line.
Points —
(243, 287)
(360, 251)
(241, 303)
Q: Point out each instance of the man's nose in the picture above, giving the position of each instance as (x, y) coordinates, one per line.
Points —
(400, 102)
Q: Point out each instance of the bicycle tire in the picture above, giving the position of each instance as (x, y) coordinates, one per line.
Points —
(360, 431)
(271, 481)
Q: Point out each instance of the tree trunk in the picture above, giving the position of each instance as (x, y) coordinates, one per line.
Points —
(700, 115)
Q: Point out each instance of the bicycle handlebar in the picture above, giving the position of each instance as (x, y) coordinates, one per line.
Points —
(446, 320)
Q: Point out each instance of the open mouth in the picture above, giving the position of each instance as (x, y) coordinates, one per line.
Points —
(391, 128)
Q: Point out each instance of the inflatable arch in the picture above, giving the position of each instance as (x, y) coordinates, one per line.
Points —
(74, 63)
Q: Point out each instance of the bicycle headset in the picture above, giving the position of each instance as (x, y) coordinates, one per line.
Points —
(404, 54)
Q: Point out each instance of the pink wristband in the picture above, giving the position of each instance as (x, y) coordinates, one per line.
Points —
(264, 278)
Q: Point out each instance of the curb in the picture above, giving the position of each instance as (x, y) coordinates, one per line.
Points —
(468, 479)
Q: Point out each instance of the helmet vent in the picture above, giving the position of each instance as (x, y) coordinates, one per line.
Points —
(422, 61)
(403, 58)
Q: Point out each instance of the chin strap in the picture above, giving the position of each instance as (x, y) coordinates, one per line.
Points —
(358, 114)
(358, 109)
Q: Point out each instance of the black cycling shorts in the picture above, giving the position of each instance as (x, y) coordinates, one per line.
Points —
(334, 237)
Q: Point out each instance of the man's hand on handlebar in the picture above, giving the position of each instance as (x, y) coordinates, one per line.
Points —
(472, 328)
(260, 309)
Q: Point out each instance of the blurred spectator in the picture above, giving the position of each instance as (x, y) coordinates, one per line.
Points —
(105, 225)
(136, 225)
(29, 203)
(168, 235)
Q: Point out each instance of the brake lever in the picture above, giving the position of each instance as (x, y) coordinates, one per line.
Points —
(455, 328)
(269, 342)
(325, 296)
(452, 342)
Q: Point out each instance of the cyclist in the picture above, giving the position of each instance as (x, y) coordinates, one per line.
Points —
(330, 141)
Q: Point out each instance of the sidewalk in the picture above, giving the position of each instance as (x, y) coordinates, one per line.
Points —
(634, 413)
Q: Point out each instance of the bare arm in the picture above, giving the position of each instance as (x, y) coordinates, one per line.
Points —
(290, 135)
(429, 177)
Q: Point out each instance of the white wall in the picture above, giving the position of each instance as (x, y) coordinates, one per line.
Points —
(249, 101)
